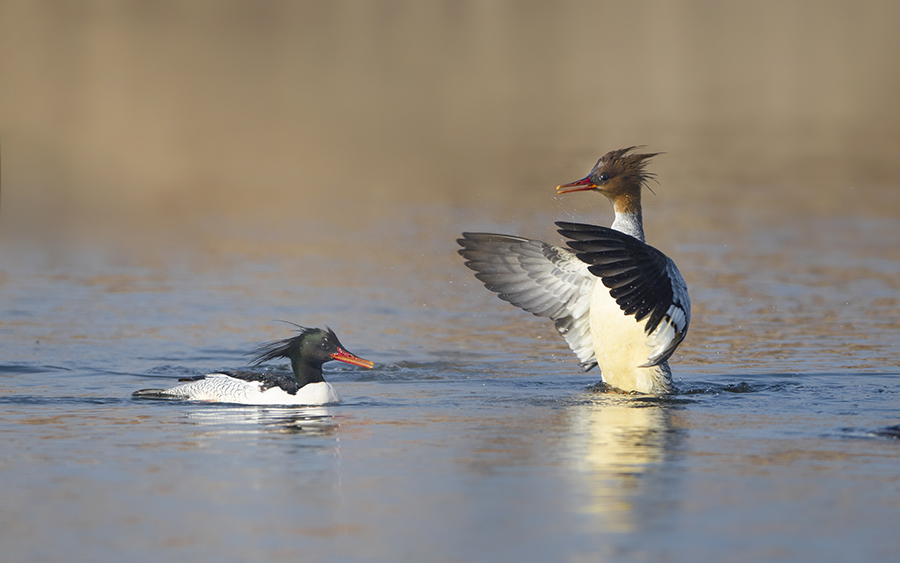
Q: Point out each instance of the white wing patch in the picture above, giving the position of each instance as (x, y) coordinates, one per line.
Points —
(673, 327)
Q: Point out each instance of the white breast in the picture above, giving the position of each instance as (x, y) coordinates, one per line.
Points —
(622, 346)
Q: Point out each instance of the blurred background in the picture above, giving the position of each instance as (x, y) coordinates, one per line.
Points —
(147, 118)
(175, 176)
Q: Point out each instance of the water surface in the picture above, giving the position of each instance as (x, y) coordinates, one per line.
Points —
(476, 437)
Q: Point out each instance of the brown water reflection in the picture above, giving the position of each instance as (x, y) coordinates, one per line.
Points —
(611, 446)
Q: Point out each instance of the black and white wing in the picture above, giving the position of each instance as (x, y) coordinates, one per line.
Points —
(643, 281)
(546, 280)
(265, 380)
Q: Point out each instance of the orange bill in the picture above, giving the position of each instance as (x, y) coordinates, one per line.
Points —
(580, 185)
(344, 356)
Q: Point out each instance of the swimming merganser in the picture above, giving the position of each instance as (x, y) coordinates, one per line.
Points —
(619, 303)
(307, 351)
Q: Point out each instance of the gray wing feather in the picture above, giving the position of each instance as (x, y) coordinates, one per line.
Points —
(546, 280)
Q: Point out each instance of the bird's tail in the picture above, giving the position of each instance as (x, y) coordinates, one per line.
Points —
(152, 394)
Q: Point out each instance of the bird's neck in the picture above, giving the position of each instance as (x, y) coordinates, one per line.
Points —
(628, 215)
(630, 224)
(306, 373)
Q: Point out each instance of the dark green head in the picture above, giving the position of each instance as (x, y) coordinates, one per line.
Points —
(311, 347)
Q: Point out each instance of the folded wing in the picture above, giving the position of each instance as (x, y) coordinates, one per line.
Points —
(643, 281)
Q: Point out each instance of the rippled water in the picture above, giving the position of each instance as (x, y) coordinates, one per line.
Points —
(476, 437)
(178, 177)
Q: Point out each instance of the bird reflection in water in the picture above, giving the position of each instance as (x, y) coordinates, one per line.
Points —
(613, 448)
(313, 421)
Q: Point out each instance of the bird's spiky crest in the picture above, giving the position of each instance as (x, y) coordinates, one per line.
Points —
(285, 348)
(620, 163)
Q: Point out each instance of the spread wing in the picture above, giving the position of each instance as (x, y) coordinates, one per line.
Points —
(643, 281)
(546, 280)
